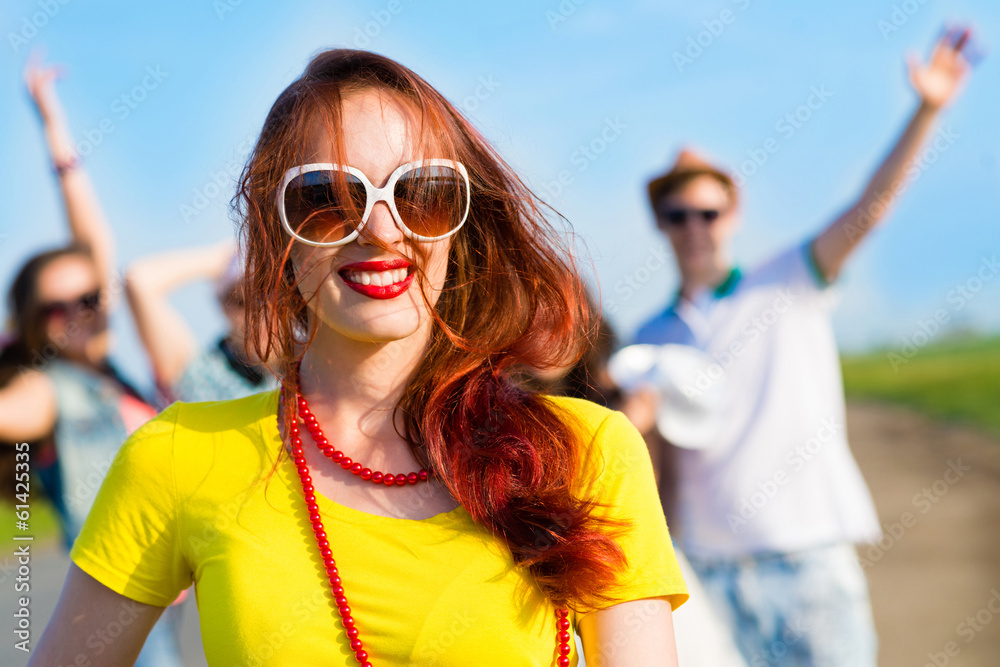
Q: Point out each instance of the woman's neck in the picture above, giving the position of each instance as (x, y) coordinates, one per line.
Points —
(354, 386)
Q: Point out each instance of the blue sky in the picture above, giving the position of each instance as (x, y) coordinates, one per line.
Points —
(543, 80)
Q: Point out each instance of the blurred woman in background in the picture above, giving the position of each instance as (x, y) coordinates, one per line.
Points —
(61, 386)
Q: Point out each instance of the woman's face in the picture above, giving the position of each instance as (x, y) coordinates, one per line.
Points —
(378, 138)
(73, 323)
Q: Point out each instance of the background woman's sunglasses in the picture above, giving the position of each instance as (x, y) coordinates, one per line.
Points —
(329, 204)
(88, 301)
(679, 216)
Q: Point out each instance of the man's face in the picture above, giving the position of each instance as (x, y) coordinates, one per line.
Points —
(698, 218)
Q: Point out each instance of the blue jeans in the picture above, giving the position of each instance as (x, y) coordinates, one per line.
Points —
(807, 608)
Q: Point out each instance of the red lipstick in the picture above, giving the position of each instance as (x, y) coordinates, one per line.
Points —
(377, 291)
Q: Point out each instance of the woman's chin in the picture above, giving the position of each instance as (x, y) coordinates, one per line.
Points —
(380, 329)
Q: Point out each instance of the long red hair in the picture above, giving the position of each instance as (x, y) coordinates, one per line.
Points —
(512, 299)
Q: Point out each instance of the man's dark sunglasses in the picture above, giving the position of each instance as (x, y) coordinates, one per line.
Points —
(679, 216)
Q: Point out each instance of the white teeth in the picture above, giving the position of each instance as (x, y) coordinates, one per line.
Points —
(378, 278)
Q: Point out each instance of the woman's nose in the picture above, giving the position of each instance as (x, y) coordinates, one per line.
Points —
(381, 226)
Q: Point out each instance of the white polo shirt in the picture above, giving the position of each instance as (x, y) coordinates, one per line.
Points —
(781, 477)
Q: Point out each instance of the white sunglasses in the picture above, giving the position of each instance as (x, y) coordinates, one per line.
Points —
(325, 205)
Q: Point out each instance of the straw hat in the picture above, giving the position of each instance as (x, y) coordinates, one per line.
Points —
(688, 165)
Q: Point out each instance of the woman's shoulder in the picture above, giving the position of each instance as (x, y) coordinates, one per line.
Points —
(184, 427)
(606, 436)
(210, 445)
(590, 420)
(610, 445)
(579, 411)
(214, 417)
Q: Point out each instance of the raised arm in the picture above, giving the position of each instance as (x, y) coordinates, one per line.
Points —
(87, 608)
(27, 407)
(937, 83)
(148, 283)
(639, 632)
(87, 223)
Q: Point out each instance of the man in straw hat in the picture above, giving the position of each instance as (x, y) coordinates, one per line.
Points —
(770, 512)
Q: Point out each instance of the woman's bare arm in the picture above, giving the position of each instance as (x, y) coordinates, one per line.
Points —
(27, 407)
(634, 633)
(168, 339)
(93, 622)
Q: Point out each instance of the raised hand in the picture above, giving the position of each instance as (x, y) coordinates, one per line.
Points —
(938, 81)
(40, 80)
(84, 216)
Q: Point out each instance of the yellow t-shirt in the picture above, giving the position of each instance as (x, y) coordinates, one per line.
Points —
(187, 500)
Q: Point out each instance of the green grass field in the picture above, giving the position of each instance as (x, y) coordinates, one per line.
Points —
(956, 380)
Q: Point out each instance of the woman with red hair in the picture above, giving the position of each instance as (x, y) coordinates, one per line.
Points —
(400, 499)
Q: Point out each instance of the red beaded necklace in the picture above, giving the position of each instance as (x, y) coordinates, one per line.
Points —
(346, 462)
(336, 584)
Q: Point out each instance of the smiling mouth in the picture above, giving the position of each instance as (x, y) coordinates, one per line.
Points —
(376, 278)
(387, 283)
